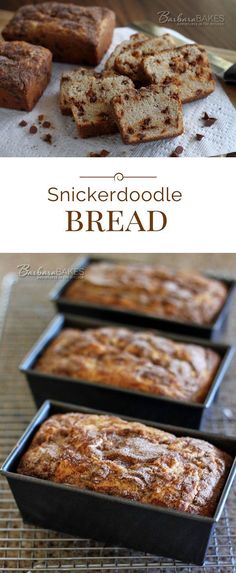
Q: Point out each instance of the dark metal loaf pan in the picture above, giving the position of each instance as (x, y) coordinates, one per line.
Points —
(111, 519)
(210, 331)
(117, 400)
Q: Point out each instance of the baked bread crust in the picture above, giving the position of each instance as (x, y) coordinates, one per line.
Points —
(127, 459)
(148, 114)
(150, 289)
(74, 34)
(139, 361)
(186, 66)
(25, 72)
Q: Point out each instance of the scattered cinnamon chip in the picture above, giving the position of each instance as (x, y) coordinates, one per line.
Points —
(102, 153)
(22, 123)
(177, 151)
(199, 136)
(210, 121)
(40, 118)
(33, 129)
(48, 138)
(46, 124)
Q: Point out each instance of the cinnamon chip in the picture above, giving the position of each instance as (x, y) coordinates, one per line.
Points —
(40, 118)
(199, 136)
(22, 123)
(102, 153)
(33, 129)
(46, 124)
(177, 151)
(210, 121)
(48, 138)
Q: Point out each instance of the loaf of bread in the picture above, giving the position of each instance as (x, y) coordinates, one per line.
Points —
(150, 289)
(25, 71)
(74, 34)
(91, 104)
(140, 361)
(129, 61)
(187, 67)
(148, 114)
(111, 456)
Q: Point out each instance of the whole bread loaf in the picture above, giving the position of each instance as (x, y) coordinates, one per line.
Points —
(140, 361)
(183, 295)
(74, 34)
(111, 456)
(25, 72)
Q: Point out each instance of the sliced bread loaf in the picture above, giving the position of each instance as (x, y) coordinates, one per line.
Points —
(186, 66)
(148, 114)
(129, 61)
(71, 84)
(134, 41)
(92, 107)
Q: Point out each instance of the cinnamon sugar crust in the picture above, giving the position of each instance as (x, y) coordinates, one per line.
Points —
(25, 72)
(138, 360)
(108, 455)
(74, 34)
(150, 289)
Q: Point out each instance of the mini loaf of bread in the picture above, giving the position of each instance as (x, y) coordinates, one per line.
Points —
(187, 67)
(148, 114)
(74, 34)
(129, 61)
(25, 71)
(139, 361)
(108, 455)
(150, 289)
(91, 106)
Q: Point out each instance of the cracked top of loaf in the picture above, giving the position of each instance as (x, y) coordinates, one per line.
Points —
(180, 295)
(21, 63)
(109, 455)
(71, 32)
(139, 361)
(83, 20)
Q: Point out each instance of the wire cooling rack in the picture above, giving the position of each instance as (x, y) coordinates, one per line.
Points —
(24, 313)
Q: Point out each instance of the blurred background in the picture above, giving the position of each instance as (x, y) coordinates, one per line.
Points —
(222, 264)
(218, 35)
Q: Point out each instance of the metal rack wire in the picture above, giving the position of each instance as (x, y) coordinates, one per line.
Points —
(24, 313)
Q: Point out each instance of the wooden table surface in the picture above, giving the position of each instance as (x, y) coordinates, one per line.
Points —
(222, 36)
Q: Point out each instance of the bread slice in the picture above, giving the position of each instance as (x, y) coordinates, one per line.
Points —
(134, 42)
(71, 84)
(186, 66)
(129, 61)
(148, 114)
(92, 108)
